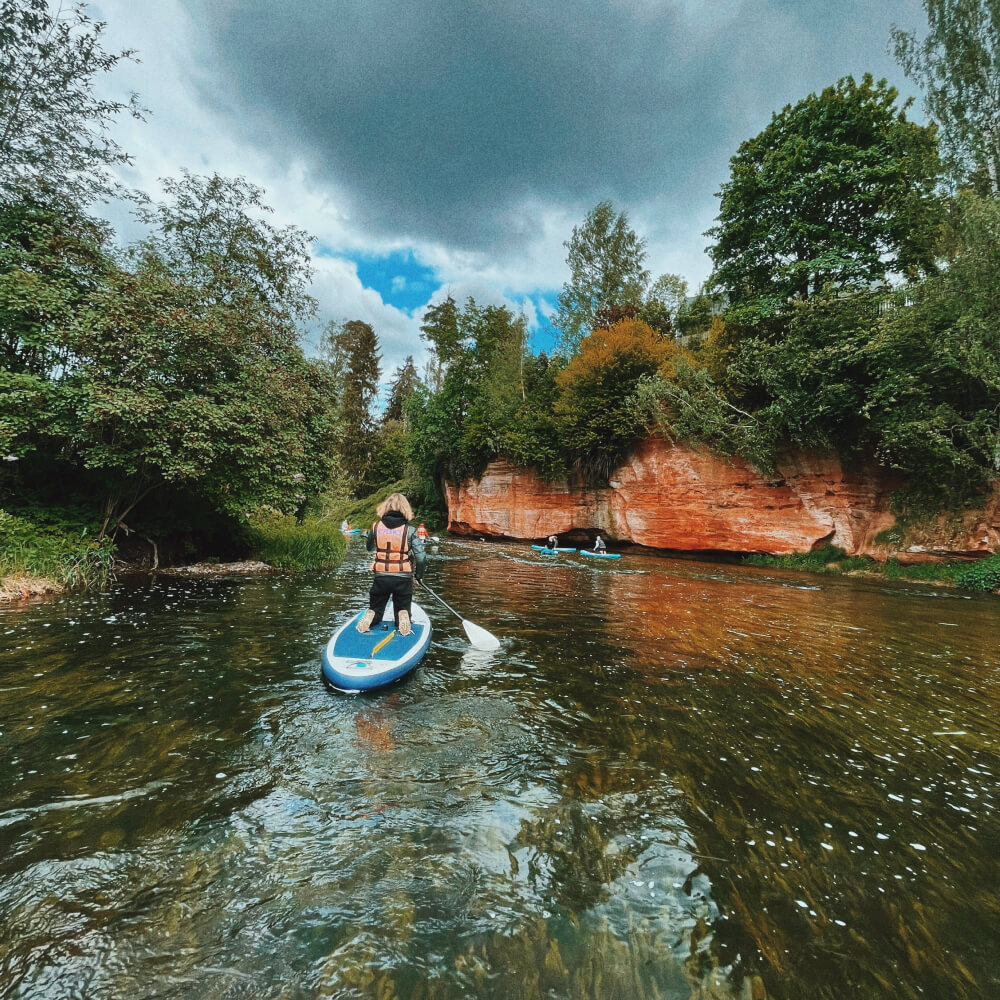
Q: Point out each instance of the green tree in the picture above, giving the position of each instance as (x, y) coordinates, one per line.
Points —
(460, 427)
(495, 377)
(357, 370)
(54, 131)
(166, 391)
(694, 316)
(670, 290)
(606, 262)
(958, 67)
(404, 381)
(212, 234)
(531, 437)
(50, 261)
(595, 410)
(391, 454)
(663, 302)
(838, 190)
(444, 339)
(936, 404)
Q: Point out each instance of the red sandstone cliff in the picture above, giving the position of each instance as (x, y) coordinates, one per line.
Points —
(670, 496)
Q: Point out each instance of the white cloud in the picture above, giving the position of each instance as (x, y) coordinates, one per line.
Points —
(687, 115)
(342, 297)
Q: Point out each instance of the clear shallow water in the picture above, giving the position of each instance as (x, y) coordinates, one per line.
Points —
(675, 779)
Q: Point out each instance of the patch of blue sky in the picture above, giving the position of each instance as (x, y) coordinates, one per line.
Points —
(399, 278)
(542, 336)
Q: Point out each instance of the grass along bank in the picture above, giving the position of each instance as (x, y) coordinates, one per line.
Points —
(45, 551)
(982, 576)
(48, 552)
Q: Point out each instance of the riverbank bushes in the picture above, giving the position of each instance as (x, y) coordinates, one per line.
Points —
(54, 548)
(285, 543)
(982, 576)
(161, 388)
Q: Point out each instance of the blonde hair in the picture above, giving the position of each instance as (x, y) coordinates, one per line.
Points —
(395, 501)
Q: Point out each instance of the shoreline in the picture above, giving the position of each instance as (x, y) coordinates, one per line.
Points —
(20, 587)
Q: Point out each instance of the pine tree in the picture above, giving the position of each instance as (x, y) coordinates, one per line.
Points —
(404, 381)
(357, 360)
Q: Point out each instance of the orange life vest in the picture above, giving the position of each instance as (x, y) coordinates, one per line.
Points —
(392, 549)
(421, 532)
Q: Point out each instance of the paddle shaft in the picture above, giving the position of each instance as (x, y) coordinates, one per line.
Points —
(478, 636)
(441, 599)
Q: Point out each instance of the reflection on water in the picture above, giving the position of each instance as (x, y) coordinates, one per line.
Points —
(673, 780)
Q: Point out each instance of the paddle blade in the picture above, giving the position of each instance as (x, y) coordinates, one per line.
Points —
(479, 637)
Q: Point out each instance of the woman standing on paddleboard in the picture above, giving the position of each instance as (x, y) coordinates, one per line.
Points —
(399, 557)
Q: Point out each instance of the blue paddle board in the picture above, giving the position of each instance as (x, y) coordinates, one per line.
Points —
(545, 550)
(363, 661)
(601, 555)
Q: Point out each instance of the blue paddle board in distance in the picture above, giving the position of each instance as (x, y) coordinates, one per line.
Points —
(362, 661)
(601, 555)
(545, 550)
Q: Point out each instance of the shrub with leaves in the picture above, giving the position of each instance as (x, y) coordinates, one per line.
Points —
(983, 575)
(281, 541)
(596, 410)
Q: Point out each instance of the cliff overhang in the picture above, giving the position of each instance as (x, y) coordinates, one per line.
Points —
(674, 497)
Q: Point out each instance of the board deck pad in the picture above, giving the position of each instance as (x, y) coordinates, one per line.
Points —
(355, 645)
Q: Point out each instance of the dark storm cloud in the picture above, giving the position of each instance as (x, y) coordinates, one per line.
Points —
(438, 116)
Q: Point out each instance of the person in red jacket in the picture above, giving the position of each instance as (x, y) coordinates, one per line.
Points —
(399, 557)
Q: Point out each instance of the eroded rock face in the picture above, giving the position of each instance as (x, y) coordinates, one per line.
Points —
(670, 496)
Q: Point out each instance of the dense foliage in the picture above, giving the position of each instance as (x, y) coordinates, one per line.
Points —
(958, 67)
(910, 379)
(126, 380)
(595, 409)
(838, 190)
(54, 130)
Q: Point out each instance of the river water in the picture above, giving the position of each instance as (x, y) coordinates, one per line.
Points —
(674, 780)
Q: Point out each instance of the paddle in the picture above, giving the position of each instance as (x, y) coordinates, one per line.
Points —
(478, 636)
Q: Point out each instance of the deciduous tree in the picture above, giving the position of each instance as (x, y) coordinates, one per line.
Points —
(595, 410)
(213, 234)
(958, 67)
(838, 190)
(606, 262)
(54, 130)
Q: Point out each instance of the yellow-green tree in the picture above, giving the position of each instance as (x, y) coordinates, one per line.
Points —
(595, 409)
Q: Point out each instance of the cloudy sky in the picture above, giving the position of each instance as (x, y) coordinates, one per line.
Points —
(439, 147)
